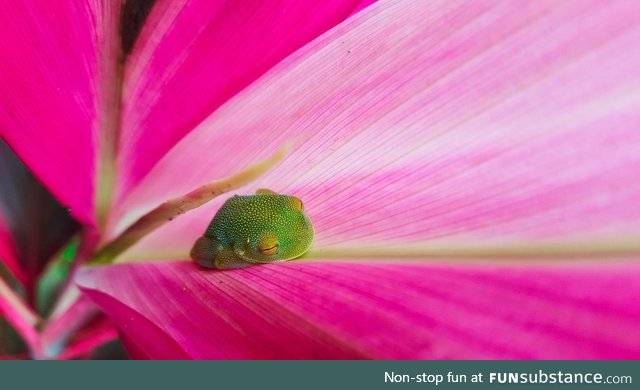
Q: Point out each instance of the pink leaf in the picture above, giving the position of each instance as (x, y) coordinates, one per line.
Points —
(453, 122)
(99, 332)
(20, 316)
(193, 55)
(27, 214)
(8, 251)
(48, 95)
(61, 327)
(363, 4)
(374, 310)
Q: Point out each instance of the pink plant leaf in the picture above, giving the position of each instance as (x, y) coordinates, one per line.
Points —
(193, 55)
(83, 349)
(132, 349)
(8, 251)
(378, 310)
(455, 122)
(363, 4)
(33, 225)
(61, 327)
(20, 316)
(85, 342)
(48, 95)
(56, 101)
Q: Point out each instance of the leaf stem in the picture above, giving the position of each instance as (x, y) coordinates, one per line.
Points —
(112, 61)
(180, 205)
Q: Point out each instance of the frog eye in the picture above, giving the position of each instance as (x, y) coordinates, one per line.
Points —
(296, 203)
(268, 246)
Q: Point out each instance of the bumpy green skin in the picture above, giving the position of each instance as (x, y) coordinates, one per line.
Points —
(244, 222)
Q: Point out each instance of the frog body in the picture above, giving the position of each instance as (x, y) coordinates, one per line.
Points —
(252, 229)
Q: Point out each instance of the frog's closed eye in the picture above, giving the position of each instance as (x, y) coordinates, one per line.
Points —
(268, 246)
